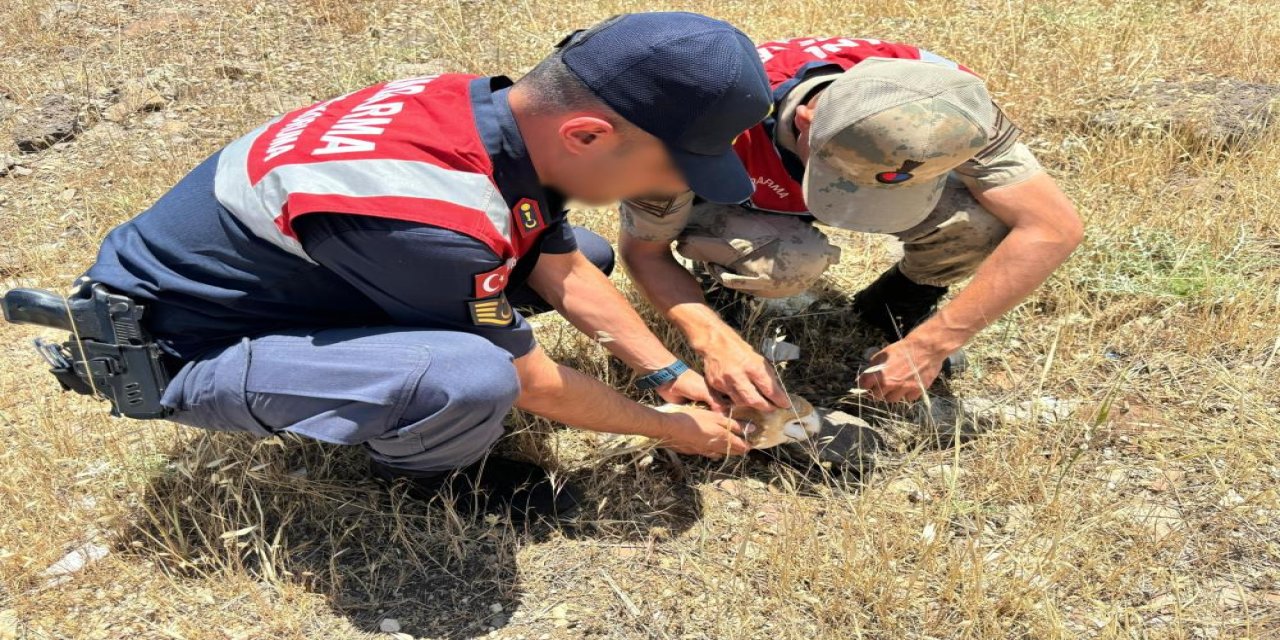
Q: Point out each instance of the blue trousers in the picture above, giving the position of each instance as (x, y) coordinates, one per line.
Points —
(418, 400)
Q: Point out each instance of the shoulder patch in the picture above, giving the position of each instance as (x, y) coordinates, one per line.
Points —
(528, 215)
(1007, 133)
(658, 208)
(492, 312)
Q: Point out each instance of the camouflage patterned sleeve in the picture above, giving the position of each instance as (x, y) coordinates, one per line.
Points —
(1004, 162)
(654, 220)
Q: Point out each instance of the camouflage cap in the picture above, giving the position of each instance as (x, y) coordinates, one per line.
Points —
(884, 137)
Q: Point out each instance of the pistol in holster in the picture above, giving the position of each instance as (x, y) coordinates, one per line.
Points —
(108, 354)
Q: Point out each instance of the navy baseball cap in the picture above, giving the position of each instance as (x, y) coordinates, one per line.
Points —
(693, 82)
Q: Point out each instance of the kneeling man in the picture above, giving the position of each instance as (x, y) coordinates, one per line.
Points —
(879, 138)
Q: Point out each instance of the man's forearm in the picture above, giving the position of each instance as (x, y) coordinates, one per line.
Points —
(557, 392)
(1044, 229)
(732, 367)
(678, 297)
(587, 298)
(1020, 264)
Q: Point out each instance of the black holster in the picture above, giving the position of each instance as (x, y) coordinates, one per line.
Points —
(108, 354)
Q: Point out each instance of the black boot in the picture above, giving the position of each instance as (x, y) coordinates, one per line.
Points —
(492, 485)
(895, 305)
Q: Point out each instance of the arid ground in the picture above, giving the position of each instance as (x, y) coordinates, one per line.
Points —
(1125, 484)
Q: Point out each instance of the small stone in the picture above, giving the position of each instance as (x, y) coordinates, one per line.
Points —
(1230, 596)
(1231, 499)
(911, 488)
(135, 97)
(495, 608)
(22, 171)
(1159, 520)
(9, 625)
(1116, 478)
(389, 625)
(776, 349)
(929, 533)
(1162, 602)
(560, 615)
(945, 472)
(730, 486)
(1167, 480)
(238, 71)
(77, 559)
(55, 120)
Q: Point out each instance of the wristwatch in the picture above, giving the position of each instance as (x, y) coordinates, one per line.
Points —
(662, 376)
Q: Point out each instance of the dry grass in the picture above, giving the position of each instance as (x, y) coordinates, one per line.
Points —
(1151, 512)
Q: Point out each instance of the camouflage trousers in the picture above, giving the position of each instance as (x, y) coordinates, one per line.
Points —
(774, 255)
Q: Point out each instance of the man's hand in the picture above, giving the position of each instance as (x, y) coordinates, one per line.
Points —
(902, 371)
(703, 433)
(559, 393)
(692, 387)
(730, 365)
(735, 369)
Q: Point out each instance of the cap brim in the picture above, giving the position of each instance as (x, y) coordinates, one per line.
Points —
(835, 200)
(720, 179)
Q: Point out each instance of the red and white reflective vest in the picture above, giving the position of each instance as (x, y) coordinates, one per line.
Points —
(406, 150)
(784, 62)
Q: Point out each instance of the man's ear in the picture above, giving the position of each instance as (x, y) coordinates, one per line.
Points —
(582, 132)
(804, 117)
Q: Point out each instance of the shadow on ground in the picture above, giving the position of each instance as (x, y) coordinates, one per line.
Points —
(289, 511)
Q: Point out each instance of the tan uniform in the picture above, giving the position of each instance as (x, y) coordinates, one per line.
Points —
(777, 255)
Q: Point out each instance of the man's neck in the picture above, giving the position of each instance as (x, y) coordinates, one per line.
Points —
(534, 130)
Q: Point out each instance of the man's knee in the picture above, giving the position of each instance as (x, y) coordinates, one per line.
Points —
(470, 379)
(767, 255)
(455, 413)
(953, 241)
(596, 249)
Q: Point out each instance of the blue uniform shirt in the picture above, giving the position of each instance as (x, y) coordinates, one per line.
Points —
(207, 280)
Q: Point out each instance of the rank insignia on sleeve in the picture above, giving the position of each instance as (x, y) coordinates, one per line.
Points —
(528, 215)
(493, 312)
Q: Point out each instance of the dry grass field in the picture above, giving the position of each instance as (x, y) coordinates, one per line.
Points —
(1141, 500)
